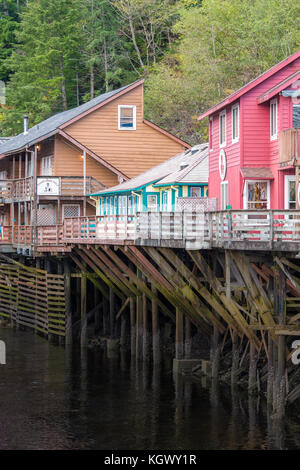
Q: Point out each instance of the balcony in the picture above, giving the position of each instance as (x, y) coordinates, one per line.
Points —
(22, 189)
(288, 146)
(16, 190)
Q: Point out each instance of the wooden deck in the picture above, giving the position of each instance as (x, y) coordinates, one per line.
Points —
(242, 230)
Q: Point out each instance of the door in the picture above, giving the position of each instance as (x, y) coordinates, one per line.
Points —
(290, 192)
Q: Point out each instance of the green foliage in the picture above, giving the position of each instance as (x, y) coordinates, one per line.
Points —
(56, 54)
(222, 46)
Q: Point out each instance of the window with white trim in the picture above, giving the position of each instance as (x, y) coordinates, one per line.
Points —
(47, 166)
(3, 175)
(127, 118)
(222, 125)
(224, 195)
(235, 115)
(211, 133)
(273, 119)
(152, 203)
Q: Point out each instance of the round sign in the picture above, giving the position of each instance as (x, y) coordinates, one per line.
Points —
(222, 164)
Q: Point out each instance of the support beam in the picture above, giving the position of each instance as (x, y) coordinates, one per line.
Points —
(155, 328)
(179, 334)
(83, 336)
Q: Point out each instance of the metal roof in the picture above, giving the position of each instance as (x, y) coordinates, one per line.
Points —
(49, 126)
(169, 169)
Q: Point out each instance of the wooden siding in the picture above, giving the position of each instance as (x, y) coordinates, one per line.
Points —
(255, 148)
(68, 162)
(132, 152)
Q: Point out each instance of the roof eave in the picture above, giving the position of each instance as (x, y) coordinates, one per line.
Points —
(256, 81)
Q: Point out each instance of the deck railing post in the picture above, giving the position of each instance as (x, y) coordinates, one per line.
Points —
(271, 228)
(229, 215)
(160, 225)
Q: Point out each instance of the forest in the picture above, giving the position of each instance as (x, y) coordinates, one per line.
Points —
(57, 54)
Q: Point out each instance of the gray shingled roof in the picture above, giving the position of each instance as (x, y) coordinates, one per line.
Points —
(49, 126)
(165, 169)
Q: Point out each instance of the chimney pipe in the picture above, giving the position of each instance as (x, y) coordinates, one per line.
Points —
(25, 125)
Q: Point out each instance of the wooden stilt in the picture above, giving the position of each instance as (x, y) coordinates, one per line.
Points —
(97, 313)
(270, 381)
(123, 331)
(155, 329)
(83, 336)
(281, 372)
(132, 326)
(215, 354)
(179, 334)
(187, 339)
(68, 296)
(139, 323)
(112, 313)
(145, 329)
(252, 379)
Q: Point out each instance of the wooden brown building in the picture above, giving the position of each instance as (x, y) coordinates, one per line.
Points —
(48, 171)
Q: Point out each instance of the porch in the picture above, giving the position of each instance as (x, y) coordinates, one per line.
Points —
(242, 230)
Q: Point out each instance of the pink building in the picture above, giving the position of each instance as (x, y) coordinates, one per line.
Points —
(254, 141)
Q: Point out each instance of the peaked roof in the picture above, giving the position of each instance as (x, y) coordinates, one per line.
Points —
(51, 125)
(267, 95)
(168, 169)
(256, 81)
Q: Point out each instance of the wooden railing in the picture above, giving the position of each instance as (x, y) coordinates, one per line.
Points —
(250, 229)
(85, 229)
(77, 186)
(18, 189)
(289, 145)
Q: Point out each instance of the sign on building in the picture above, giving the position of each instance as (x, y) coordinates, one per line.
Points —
(48, 187)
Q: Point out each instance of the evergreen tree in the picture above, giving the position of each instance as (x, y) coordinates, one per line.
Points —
(44, 62)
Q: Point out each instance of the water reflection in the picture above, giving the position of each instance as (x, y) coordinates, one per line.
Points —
(53, 398)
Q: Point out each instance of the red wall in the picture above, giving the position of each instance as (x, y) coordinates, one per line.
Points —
(254, 149)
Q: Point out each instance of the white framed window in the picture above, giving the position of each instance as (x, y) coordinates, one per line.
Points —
(196, 191)
(257, 194)
(222, 128)
(3, 175)
(165, 201)
(211, 133)
(122, 205)
(235, 117)
(152, 203)
(126, 118)
(224, 195)
(273, 119)
(296, 116)
(70, 210)
(47, 163)
(290, 192)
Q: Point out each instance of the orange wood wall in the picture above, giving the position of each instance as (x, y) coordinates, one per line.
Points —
(132, 152)
(68, 162)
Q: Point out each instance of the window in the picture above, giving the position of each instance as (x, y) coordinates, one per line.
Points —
(70, 210)
(222, 120)
(165, 202)
(122, 205)
(152, 203)
(224, 195)
(3, 175)
(211, 133)
(29, 167)
(273, 119)
(235, 123)
(196, 192)
(296, 116)
(127, 118)
(47, 166)
(257, 195)
(290, 192)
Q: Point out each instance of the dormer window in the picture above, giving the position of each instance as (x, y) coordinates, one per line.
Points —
(273, 119)
(127, 118)
(222, 120)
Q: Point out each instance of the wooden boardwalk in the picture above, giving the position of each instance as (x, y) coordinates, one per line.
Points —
(235, 230)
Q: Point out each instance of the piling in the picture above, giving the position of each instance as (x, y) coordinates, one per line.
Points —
(83, 308)
(68, 296)
(155, 328)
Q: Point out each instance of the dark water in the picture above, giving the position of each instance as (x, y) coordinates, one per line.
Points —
(51, 399)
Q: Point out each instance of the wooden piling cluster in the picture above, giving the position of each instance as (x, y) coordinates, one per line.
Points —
(134, 297)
